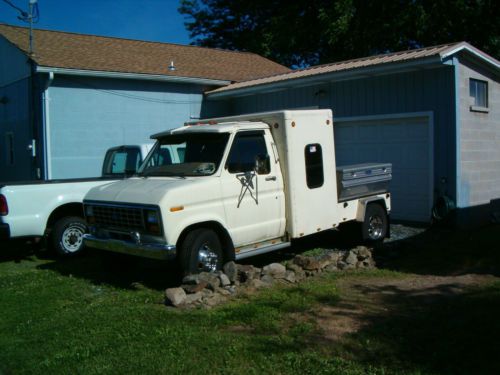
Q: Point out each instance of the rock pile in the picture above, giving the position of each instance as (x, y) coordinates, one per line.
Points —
(208, 289)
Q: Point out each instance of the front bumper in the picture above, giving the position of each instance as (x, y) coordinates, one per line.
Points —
(145, 250)
(4, 231)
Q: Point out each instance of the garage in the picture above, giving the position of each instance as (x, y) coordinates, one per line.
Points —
(403, 140)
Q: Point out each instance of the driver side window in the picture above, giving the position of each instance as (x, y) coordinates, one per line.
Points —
(247, 148)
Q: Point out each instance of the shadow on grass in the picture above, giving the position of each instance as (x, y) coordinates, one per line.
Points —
(127, 274)
(443, 251)
(438, 329)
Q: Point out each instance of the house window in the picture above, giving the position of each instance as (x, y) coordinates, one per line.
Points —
(478, 91)
(314, 166)
(9, 148)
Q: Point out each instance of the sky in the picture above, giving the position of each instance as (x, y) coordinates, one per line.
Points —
(153, 20)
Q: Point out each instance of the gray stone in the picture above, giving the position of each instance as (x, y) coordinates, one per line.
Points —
(351, 258)
(341, 265)
(192, 298)
(257, 284)
(307, 263)
(224, 280)
(267, 279)
(207, 293)
(324, 261)
(246, 272)
(334, 257)
(175, 296)
(290, 276)
(294, 267)
(211, 279)
(194, 288)
(331, 267)
(214, 300)
(231, 271)
(363, 252)
(191, 279)
(223, 292)
(276, 270)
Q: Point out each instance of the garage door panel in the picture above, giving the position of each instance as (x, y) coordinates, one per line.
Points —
(404, 142)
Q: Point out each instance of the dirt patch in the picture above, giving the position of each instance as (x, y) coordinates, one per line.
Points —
(363, 298)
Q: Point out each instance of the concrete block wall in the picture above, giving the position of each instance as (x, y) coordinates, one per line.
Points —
(479, 148)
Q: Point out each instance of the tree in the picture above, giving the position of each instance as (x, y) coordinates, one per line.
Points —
(308, 32)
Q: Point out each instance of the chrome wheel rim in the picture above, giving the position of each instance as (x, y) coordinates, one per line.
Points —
(207, 259)
(72, 238)
(375, 227)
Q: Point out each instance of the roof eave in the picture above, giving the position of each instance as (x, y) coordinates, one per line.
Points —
(361, 72)
(136, 76)
(482, 56)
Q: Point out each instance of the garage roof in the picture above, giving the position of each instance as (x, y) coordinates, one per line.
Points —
(368, 65)
(96, 53)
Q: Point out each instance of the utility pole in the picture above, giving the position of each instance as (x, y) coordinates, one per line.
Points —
(30, 19)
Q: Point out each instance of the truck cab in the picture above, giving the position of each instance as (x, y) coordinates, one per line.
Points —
(244, 185)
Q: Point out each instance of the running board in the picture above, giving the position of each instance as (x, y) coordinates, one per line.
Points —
(265, 247)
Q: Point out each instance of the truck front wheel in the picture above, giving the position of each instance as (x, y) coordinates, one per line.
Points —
(374, 228)
(67, 235)
(201, 252)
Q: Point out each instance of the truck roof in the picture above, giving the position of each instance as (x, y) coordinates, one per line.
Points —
(223, 127)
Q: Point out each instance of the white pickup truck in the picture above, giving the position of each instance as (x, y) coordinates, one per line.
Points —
(35, 209)
(246, 185)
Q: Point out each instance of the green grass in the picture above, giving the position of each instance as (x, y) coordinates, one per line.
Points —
(72, 317)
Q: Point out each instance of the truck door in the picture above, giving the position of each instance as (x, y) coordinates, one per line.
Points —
(253, 196)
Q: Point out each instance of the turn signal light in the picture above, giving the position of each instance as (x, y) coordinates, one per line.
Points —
(4, 207)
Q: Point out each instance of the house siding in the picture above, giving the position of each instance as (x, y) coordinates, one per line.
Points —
(87, 116)
(426, 90)
(15, 88)
(479, 147)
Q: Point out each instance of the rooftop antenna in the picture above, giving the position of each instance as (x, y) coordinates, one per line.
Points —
(31, 17)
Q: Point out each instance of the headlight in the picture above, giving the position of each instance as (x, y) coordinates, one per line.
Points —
(152, 220)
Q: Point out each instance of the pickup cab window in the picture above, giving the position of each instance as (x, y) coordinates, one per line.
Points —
(121, 161)
(186, 155)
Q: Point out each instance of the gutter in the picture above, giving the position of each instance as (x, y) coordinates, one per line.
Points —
(137, 76)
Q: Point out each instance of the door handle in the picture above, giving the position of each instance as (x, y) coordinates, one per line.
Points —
(271, 178)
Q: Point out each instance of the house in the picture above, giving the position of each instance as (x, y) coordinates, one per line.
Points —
(78, 95)
(432, 112)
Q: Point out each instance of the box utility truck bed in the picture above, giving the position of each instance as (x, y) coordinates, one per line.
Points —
(245, 185)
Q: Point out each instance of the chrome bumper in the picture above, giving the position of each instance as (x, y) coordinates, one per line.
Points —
(146, 250)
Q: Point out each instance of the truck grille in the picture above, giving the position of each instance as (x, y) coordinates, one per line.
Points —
(119, 217)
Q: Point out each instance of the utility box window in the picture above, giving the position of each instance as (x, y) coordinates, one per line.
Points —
(313, 155)
(478, 91)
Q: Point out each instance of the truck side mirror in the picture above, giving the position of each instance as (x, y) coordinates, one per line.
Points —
(262, 164)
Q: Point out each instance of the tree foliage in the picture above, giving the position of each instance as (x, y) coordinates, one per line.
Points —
(307, 32)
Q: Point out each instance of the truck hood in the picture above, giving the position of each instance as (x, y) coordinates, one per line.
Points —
(142, 190)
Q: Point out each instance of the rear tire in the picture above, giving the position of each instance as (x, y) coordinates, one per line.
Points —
(201, 251)
(67, 236)
(374, 228)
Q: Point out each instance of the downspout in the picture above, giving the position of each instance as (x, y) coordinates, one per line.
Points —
(458, 157)
(46, 127)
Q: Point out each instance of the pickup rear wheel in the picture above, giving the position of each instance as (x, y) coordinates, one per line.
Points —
(201, 251)
(374, 227)
(67, 236)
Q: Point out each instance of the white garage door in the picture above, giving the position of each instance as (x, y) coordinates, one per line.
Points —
(404, 142)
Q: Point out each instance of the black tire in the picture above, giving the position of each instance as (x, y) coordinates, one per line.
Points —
(201, 251)
(374, 228)
(67, 236)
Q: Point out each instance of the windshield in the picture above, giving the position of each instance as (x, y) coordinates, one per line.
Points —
(186, 155)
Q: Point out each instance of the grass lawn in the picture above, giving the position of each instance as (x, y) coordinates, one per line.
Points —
(73, 317)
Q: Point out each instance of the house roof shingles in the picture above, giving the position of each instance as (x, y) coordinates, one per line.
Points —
(89, 52)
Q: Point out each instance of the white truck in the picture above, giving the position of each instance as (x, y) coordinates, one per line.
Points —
(246, 185)
(54, 208)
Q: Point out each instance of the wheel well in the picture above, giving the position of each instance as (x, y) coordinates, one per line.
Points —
(70, 209)
(224, 237)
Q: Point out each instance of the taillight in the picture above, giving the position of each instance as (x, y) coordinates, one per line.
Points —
(4, 207)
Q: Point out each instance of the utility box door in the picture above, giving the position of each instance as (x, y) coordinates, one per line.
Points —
(305, 143)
